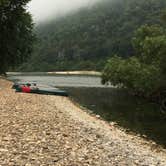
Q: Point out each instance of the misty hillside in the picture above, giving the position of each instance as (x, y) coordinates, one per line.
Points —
(86, 39)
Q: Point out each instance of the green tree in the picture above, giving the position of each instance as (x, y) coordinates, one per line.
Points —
(143, 73)
(16, 33)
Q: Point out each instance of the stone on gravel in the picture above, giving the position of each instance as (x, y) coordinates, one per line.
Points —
(40, 130)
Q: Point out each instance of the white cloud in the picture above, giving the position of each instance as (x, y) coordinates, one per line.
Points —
(47, 9)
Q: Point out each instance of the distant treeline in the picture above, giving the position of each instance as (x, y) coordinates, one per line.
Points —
(86, 39)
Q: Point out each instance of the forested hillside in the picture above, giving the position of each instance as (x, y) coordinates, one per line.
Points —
(86, 39)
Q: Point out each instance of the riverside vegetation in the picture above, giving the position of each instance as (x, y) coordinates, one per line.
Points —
(16, 34)
(144, 72)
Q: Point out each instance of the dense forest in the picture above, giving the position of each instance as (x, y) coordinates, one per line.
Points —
(144, 72)
(16, 34)
(86, 39)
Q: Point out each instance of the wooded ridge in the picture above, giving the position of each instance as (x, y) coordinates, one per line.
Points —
(86, 39)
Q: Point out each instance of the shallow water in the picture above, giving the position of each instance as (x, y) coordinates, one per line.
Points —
(132, 113)
(61, 80)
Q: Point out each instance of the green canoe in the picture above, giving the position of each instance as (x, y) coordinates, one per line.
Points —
(46, 90)
(49, 91)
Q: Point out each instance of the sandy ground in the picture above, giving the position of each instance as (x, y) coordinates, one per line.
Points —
(79, 73)
(42, 130)
(91, 73)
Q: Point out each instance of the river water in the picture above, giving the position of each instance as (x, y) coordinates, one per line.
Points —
(114, 105)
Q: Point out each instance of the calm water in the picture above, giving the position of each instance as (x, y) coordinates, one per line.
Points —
(132, 113)
(61, 81)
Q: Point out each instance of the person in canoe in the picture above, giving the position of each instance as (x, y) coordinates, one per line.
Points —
(26, 88)
(33, 88)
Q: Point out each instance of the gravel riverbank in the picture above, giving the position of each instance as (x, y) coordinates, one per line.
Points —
(44, 130)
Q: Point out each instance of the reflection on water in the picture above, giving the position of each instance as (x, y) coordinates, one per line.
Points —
(130, 112)
(62, 81)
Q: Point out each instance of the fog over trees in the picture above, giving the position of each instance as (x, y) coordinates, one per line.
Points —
(44, 10)
(84, 40)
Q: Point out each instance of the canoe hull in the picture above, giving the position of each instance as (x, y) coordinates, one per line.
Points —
(41, 90)
(50, 92)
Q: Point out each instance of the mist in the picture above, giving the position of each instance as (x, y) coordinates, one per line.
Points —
(43, 10)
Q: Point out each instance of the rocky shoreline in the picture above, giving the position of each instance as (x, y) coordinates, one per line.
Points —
(50, 130)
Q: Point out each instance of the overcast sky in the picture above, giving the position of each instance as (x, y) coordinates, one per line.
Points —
(47, 9)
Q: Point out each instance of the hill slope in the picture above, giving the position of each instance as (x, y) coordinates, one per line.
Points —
(84, 40)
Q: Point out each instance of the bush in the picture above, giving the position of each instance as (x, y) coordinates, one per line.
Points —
(144, 73)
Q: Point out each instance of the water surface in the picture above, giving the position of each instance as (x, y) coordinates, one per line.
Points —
(132, 113)
(61, 80)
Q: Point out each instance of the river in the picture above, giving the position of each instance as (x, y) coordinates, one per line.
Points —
(114, 105)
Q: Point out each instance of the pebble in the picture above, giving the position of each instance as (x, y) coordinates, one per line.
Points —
(50, 130)
(98, 116)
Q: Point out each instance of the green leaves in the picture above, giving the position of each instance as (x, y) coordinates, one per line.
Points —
(132, 74)
(153, 49)
(144, 33)
(144, 73)
(16, 33)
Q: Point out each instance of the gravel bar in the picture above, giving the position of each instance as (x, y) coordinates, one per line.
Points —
(42, 130)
